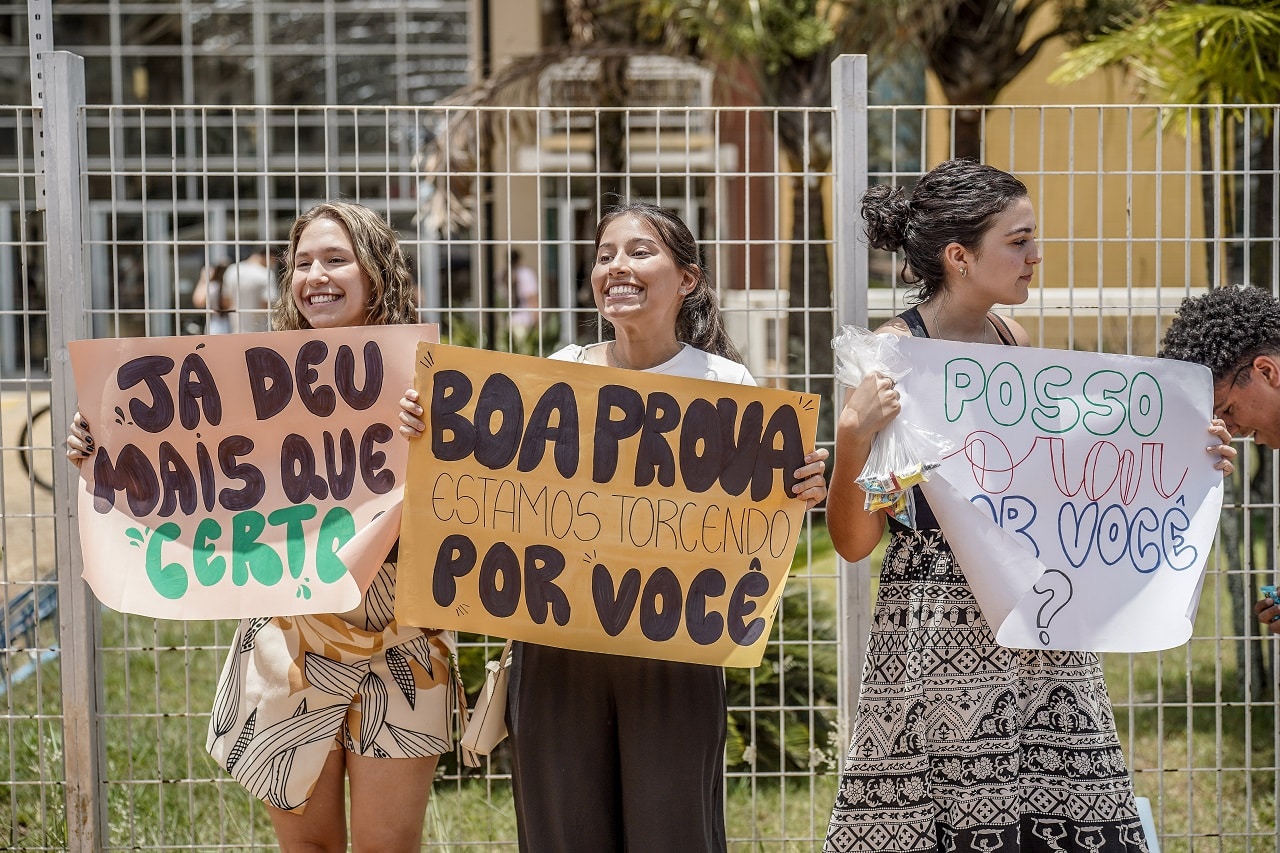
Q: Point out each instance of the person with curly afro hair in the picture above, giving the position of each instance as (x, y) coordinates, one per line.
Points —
(1235, 332)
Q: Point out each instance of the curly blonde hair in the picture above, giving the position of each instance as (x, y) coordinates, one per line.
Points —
(393, 294)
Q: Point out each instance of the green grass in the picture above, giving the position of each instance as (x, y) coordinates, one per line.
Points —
(766, 816)
(1199, 748)
(1203, 754)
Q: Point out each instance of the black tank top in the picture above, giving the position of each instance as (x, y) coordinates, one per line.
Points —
(925, 519)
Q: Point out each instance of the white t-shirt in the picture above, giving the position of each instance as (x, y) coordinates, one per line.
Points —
(690, 362)
(247, 286)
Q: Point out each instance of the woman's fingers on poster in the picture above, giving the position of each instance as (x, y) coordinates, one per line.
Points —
(811, 485)
(1223, 449)
(411, 423)
(79, 440)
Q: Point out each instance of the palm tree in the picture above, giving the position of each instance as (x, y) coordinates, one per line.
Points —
(1222, 57)
(786, 49)
(977, 47)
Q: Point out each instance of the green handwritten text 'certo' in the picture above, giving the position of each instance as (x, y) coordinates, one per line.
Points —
(216, 551)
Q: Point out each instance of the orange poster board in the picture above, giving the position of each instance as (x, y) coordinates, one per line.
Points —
(242, 475)
(599, 509)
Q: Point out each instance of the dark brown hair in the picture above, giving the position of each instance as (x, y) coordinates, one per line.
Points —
(699, 322)
(956, 202)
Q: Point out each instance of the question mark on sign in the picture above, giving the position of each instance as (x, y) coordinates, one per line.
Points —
(1057, 586)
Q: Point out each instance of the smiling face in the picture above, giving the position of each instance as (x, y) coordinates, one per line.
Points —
(1248, 401)
(329, 287)
(1005, 263)
(637, 283)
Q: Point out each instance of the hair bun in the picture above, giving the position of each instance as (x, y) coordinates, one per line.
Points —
(886, 211)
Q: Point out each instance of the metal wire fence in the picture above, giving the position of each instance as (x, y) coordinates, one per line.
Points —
(107, 712)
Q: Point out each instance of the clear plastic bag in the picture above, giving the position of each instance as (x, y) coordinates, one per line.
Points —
(902, 454)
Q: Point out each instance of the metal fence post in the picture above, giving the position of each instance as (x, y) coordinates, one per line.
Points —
(78, 614)
(850, 250)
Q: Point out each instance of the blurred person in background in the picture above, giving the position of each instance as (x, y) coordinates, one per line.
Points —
(237, 296)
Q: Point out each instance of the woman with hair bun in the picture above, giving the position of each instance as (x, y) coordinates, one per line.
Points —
(960, 743)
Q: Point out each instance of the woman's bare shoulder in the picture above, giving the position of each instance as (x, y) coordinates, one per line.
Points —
(896, 326)
(1020, 335)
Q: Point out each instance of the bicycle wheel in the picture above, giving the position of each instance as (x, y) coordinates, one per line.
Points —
(35, 447)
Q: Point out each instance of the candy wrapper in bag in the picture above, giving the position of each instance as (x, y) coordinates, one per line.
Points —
(902, 453)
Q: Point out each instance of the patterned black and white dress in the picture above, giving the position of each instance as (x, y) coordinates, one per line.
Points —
(960, 744)
(295, 687)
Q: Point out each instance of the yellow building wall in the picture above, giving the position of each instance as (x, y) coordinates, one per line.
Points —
(1118, 198)
(515, 29)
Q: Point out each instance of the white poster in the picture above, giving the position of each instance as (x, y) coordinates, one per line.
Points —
(1079, 497)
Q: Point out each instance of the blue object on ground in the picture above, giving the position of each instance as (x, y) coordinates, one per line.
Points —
(1148, 824)
(28, 610)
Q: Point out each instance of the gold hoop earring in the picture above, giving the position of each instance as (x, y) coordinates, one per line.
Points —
(964, 271)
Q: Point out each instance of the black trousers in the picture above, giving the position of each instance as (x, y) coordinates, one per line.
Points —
(613, 753)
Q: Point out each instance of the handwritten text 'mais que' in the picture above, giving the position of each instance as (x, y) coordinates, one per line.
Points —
(696, 445)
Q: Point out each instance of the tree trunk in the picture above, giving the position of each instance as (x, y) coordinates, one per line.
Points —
(1258, 222)
(610, 132)
(1237, 550)
(809, 273)
(968, 134)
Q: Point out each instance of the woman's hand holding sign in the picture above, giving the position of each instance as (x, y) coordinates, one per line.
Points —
(812, 485)
(411, 423)
(79, 440)
(1223, 449)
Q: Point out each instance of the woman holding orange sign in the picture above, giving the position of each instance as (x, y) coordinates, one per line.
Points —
(614, 753)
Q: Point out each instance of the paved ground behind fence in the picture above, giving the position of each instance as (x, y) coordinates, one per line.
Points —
(28, 548)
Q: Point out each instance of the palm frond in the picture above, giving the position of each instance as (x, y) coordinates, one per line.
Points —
(1191, 53)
